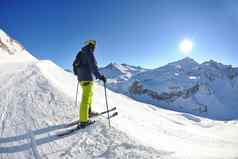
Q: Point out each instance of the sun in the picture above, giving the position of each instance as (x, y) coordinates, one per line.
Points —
(186, 46)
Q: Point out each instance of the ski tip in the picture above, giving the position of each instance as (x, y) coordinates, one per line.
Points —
(113, 115)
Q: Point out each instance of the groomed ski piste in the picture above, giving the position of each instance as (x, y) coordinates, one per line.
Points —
(37, 99)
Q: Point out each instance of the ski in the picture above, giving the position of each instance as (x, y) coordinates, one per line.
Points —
(99, 114)
(104, 112)
(113, 115)
(72, 130)
(71, 124)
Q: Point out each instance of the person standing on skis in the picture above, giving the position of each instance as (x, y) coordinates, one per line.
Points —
(86, 69)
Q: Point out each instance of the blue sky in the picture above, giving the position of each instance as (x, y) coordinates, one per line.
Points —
(136, 32)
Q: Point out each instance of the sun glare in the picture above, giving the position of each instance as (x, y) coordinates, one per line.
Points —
(186, 46)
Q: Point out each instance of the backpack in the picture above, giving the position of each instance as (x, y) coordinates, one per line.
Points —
(76, 63)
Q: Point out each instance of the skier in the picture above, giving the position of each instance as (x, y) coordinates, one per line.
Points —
(86, 69)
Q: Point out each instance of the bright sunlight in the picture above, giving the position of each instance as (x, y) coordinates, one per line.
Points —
(186, 46)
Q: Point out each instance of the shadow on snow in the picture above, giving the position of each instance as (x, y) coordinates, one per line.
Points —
(40, 141)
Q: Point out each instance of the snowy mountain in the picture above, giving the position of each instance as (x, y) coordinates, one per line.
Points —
(12, 50)
(209, 89)
(119, 74)
(121, 71)
(37, 98)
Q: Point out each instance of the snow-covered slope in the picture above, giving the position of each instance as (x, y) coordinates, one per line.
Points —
(208, 89)
(11, 50)
(37, 98)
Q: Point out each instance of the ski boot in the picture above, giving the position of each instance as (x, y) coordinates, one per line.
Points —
(83, 125)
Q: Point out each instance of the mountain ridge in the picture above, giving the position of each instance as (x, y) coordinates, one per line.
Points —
(171, 85)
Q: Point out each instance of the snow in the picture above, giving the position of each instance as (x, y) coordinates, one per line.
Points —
(192, 77)
(37, 98)
(176, 74)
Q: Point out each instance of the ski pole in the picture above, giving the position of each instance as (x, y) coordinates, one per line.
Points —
(105, 90)
(76, 100)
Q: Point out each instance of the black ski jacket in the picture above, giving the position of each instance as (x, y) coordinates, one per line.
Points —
(85, 65)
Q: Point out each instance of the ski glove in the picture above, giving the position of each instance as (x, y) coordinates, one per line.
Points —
(103, 78)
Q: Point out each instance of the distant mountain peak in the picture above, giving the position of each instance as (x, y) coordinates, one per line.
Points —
(185, 63)
(112, 64)
(115, 70)
(217, 65)
(211, 62)
(186, 60)
(122, 67)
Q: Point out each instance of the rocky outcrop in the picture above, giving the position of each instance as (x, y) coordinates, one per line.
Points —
(137, 89)
(4, 47)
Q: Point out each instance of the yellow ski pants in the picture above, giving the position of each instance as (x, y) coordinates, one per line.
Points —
(86, 100)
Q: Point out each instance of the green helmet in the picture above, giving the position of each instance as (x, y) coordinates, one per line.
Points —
(90, 42)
